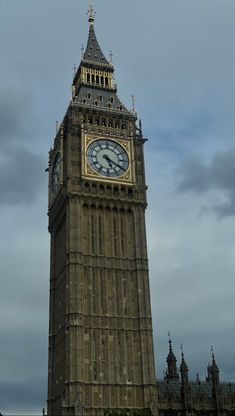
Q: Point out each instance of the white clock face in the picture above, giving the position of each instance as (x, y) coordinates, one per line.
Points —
(107, 157)
(56, 173)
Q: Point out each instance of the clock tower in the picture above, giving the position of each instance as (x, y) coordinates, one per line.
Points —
(101, 358)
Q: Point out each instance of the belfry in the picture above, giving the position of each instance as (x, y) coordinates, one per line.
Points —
(101, 359)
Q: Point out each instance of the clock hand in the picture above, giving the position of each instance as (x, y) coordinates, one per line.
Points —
(108, 160)
(114, 163)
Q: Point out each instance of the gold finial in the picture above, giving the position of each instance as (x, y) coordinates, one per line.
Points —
(91, 15)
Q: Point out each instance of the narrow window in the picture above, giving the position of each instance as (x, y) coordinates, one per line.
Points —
(100, 235)
(124, 285)
(95, 371)
(97, 79)
(88, 78)
(115, 236)
(94, 291)
(106, 81)
(122, 238)
(93, 78)
(93, 234)
(103, 293)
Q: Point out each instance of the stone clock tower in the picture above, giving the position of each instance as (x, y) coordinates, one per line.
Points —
(101, 358)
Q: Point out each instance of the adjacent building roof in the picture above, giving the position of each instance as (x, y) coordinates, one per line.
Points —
(172, 389)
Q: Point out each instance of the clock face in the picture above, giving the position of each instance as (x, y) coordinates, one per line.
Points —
(107, 157)
(56, 173)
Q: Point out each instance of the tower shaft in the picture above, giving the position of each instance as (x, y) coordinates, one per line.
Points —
(100, 335)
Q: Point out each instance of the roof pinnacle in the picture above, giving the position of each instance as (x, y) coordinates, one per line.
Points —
(212, 353)
(182, 351)
(169, 336)
(91, 15)
(183, 366)
(172, 371)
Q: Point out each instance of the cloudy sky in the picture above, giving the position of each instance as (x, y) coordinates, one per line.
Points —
(177, 57)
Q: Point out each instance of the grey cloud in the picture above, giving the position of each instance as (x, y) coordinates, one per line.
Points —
(22, 378)
(198, 177)
(13, 114)
(28, 395)
(21, 171)
(223, 169)
(21, 176)
(194, 176)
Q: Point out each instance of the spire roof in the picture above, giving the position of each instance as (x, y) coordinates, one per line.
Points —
(93, 52)
(214, 367)
(183, 365)
(171, 356)
(172, 371)
(94, 82)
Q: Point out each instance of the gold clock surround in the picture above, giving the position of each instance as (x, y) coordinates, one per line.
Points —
(88, 173)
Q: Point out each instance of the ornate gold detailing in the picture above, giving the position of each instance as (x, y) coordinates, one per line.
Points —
(128, 177)
(96, 77)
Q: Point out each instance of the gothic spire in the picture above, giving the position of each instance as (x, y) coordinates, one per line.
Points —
(93, 83)
(93, 53)
(214, 369)
(183, 368)
(172, 371)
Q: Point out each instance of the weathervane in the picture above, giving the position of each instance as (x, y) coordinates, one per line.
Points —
(91, 15)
